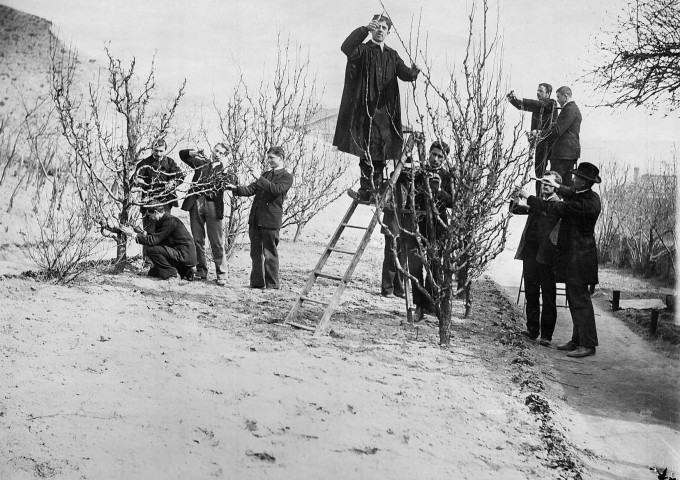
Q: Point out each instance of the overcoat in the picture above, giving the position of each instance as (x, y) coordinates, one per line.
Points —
(576, 247)
(370, 82)
(270, 192)
(564, 134)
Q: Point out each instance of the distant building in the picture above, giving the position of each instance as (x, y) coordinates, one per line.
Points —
(323, 124)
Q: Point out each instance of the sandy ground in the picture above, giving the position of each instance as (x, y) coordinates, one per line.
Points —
(127, 377)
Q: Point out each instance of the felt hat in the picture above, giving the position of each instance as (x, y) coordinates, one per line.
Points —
(588, 171)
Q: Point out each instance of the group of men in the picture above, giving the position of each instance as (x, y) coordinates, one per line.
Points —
(167, 244)
(558, 242)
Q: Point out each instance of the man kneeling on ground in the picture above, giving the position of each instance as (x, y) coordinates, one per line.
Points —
(170, 248)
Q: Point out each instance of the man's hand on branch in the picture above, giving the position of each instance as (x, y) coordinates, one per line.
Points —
(128, 231)
(372, 25)
(230, 186)
(549, 180)
(415, 66)
(511, 95)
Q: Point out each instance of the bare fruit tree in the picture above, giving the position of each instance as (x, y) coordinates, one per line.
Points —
(107, 128)
(280, 111)
(488, 161)
(640, 56)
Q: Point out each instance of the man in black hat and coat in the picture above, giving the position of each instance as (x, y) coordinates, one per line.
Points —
(369, 120)
(576, 252)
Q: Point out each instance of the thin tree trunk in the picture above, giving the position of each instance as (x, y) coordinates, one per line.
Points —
(298, 230)
(121, 239)
(445, 318)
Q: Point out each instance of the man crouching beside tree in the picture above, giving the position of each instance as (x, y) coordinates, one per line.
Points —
(170, 248)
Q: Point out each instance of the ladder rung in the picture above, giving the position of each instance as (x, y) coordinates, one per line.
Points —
(307, 299)
(299, 325)
(347, 225)
(325, 275)
(340, 250)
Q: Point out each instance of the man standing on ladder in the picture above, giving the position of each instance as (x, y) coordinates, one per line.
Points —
(543, 114)
(369, 120)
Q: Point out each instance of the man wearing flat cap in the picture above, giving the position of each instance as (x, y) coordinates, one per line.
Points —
(369, 119)
(576, 252)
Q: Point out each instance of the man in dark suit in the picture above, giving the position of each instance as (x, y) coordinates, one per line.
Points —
(543, 113)
(205, 204)
(577, 252)
(157, 176)
(432, 198)
(537, 251)
(564, 136)
(170, 248)
(266, 217)
(369, 120)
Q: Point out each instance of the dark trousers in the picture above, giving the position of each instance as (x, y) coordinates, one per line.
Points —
(582, 315)
(371, 177)
(264, 256)
(563, 167)
(415, 268)
(541, 163)
(204, 218)
(392, 278)
(381, 141)
(539, 284)
(167, 262)
(149, 226)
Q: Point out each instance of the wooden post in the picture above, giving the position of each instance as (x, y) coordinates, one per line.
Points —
(654, 323)
(616, 296)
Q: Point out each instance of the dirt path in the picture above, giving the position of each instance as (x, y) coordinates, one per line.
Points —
(623, 403)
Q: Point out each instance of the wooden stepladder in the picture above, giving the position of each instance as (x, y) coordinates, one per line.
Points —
(331, 305)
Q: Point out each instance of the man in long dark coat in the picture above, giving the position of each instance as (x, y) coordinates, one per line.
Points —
(369, 120)
(563, 136)
(577, 252)
(543, 114)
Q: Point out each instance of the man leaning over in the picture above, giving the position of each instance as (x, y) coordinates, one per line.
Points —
(205, 204)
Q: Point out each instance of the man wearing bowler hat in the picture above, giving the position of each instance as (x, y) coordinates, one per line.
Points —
(576, 251)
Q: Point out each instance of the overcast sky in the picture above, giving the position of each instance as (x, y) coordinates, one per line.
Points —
(210, 42)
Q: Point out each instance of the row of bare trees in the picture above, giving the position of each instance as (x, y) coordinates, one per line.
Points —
(638, 220)
(86, 139)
